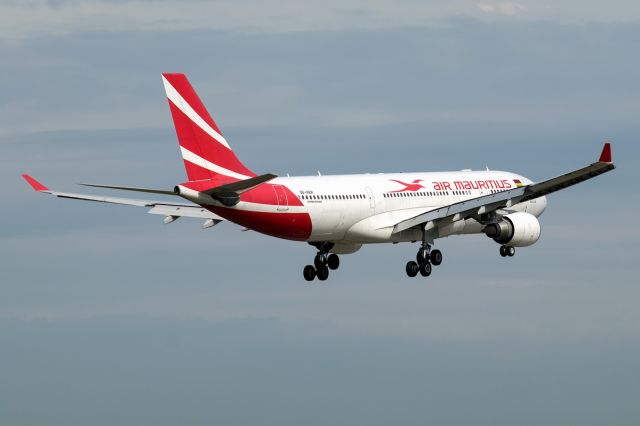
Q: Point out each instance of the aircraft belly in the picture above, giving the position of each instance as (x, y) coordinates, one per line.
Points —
(328, 225)
(290, 225)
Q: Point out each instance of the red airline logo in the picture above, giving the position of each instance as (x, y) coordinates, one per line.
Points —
(413, 186)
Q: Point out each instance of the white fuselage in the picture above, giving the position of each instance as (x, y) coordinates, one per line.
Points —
(364, 208)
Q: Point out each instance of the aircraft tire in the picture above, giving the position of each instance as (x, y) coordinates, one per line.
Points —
(425, 269)
(436, 257)
(322, 273)
(333, 261)
(309, 273)
(412, 268)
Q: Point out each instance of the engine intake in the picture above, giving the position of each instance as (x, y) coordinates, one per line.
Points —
(517, 229)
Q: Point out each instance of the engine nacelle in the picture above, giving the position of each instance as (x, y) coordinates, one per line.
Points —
(515, 229)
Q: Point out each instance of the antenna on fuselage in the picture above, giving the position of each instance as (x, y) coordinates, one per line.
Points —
(319, 173)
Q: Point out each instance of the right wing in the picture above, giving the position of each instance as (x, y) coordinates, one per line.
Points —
(171, 211)
(476, 207)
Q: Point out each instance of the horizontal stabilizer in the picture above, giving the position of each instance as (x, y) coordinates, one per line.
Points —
(241, 185)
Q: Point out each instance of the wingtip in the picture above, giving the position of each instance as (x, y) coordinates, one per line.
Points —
(605, 156)
(34, 183)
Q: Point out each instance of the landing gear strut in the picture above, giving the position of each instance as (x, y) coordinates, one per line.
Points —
(507, 251)
(425, 258)
(322, 263)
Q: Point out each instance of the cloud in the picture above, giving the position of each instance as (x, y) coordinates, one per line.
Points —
(502, 8)
(471, 71)
(20, 20)
(35, 18)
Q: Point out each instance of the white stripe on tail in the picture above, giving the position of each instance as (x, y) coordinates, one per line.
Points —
(205, 152)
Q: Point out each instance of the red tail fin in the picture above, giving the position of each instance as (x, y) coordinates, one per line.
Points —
(205, 151)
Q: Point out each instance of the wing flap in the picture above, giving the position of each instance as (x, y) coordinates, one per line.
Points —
(183, 211)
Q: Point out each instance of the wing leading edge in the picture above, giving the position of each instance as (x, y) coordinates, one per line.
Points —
(505, 199)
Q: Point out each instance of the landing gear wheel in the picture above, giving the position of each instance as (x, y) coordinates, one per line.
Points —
(412, 268)
(333, 261)
(436, 257)
(425, 269)
(309, 273)
(503, 251)
(511, 251)
(323, 273)
(318, 261)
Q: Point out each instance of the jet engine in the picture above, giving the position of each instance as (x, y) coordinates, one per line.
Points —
(516, 229)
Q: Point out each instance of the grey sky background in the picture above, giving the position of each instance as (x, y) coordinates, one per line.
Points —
(108, 316)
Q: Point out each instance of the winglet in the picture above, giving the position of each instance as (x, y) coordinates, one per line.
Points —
(605, 156)
(35, 184)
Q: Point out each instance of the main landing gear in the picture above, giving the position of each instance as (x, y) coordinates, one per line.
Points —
(507, 251)
(322, 263)
(424, 259)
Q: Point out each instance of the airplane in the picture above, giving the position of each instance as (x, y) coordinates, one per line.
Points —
(339, 214)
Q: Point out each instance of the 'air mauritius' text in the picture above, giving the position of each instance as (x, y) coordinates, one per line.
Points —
(471, 184)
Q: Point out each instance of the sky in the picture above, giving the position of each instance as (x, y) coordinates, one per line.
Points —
(109, 316)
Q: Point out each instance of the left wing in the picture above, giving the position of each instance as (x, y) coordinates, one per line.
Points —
(171, 211)
(490, 203)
